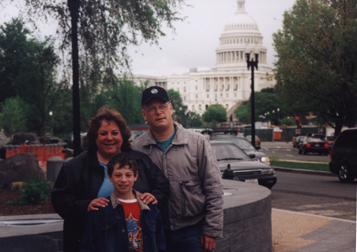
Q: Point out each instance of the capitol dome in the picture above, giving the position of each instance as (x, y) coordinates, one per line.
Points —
(240, 35)
(241, 20)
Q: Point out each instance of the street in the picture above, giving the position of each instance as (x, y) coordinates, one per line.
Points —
(315, 194)
(285, 151)
(309, 193)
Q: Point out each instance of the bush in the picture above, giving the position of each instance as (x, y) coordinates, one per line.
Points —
(35, 190)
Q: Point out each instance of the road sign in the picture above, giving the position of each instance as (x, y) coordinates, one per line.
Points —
(297, 131)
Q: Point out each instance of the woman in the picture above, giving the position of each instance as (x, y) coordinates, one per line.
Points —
(82, 184)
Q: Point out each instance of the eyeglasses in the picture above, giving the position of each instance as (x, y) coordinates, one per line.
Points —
(162, 108)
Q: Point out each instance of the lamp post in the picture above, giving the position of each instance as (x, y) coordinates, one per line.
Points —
(252, 63)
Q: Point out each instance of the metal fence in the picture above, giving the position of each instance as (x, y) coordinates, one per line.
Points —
(287, 134)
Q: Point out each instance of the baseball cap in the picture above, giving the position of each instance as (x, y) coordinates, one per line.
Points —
(153, 92)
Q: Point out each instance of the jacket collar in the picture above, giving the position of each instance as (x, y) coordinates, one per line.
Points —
(115, 202)
(179, 139)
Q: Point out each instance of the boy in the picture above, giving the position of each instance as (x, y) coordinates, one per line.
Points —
(126, 224)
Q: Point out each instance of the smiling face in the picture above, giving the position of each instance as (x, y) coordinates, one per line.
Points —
(109, 141)
(123, 181)
(158, 118)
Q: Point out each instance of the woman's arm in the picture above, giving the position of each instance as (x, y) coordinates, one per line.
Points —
(67, 197)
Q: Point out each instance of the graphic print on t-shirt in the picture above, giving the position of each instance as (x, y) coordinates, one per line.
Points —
(134, 233)
(132, 215)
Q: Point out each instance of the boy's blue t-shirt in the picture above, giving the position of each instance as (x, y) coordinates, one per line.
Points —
(166, 143)
(107, 187)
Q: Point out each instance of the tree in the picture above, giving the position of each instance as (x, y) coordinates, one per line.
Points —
(180, 109)
(28, 70)
(317, 60)
(215, 112)
(105, 29)
(266, 101)
(13, 40)
(193, 120)
(40, 90)
(242, 112)
(13, 116)
(125, 96)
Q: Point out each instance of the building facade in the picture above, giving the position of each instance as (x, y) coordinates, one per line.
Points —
(229, 82)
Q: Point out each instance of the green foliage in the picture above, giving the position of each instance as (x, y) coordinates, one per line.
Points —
(105, 30)
(303, 166)
(266, 108)
(215, 112)
(317, 62)
(193, 120)
(13, 39)
(179, 108)
(13, 116)
(243, 113)
(287, 121)
(27, 69)
(213, 124)
(125, 96)
(35, 190)
(274, 158)
(120, 94)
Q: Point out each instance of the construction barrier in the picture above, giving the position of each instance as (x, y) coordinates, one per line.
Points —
(42, 153)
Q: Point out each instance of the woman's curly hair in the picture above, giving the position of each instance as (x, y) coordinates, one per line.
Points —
(106, 114)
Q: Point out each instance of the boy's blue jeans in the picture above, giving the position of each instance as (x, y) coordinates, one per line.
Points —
(186, 239)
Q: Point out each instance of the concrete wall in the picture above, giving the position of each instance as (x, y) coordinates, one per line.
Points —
(247, 224)
(247, 218)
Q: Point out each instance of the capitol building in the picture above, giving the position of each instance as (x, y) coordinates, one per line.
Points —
(228, 82)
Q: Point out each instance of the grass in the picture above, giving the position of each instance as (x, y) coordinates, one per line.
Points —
(303, 166)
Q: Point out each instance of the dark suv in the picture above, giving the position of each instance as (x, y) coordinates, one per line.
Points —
(344, 155)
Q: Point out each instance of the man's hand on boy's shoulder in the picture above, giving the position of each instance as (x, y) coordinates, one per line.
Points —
(98, 202)
(147, 198)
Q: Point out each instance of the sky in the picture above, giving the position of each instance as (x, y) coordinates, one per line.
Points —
(197, 37)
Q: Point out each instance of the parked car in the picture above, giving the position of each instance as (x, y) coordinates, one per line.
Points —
(137, 130)
(243, 167)
(314, 145)
(257, 141)
(244, 145)
(316, 135)
(343, 156)
(297, 141)
(330, 140)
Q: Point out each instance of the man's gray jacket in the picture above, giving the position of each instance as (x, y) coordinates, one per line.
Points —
(196, 191)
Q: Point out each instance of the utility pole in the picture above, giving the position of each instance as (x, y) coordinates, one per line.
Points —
(74, 9)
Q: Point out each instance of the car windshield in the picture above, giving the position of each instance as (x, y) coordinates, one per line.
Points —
(228, 151)
(314, 139)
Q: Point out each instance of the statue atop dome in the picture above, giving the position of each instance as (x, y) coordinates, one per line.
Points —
(241, 6)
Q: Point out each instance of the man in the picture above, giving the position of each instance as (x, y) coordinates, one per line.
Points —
(194, 214)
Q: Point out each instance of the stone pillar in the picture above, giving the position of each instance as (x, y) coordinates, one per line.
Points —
(54, 165)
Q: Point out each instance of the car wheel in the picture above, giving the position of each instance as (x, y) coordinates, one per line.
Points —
(345, 175)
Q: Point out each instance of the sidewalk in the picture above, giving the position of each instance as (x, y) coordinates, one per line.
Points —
(292, 231)
(299, 232)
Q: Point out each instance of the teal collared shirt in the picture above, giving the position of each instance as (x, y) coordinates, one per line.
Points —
(166, 143)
